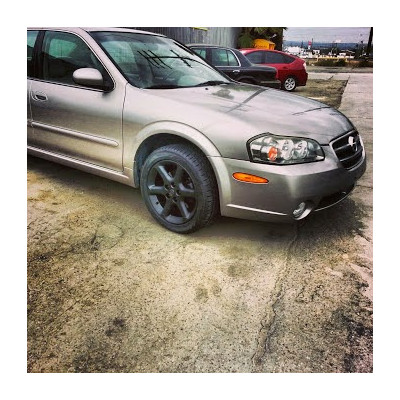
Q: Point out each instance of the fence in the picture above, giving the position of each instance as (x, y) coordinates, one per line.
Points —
(224, 36)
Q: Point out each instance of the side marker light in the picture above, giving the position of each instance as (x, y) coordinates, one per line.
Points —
(248, 178)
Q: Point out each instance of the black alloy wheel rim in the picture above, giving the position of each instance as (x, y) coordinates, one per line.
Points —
(171, 192)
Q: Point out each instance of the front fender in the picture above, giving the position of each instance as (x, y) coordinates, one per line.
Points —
(167, 127)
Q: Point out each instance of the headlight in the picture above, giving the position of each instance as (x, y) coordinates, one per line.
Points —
(280, 150)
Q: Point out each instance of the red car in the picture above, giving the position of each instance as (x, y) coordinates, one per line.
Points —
(291, 69)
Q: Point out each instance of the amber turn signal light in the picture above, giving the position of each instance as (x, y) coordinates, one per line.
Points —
(241, 176)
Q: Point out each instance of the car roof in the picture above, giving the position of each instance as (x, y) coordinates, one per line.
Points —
(215, 46)
(121, 30)
(208, 45)
(251, 50)
(261, 49)
(97, 29)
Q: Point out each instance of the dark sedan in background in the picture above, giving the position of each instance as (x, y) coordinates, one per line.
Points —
(234, 64)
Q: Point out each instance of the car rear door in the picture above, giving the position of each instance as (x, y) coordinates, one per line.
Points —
(68, 119)
(226, 61)
(278, 61)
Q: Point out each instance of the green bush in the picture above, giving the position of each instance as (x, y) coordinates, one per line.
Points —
(364, 63)
(331, 62)
(245, 40)
(341, 62)
(325, 62)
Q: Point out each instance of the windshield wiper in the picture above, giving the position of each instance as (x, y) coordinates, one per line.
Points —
(164, 86)
(212, 83)
(172, 86)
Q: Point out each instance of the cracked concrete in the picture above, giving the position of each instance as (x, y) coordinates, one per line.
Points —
(267, 323)
(109, 290)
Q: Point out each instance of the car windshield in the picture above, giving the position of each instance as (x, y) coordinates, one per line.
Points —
(155, 62)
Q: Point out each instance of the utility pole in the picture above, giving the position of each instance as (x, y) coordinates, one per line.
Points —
(369, 43)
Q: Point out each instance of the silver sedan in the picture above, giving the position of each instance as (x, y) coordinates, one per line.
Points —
(144, 110)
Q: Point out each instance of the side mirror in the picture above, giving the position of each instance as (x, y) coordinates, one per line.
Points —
(88, 77)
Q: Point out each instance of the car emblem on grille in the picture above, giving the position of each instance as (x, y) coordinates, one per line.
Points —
(353, 143)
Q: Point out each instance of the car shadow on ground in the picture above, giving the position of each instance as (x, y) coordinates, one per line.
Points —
(342, 220)
(330, 226)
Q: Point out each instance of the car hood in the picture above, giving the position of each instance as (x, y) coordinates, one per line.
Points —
(230, 114)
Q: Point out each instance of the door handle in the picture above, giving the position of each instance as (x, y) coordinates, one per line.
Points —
(235, 71)
(40, 96)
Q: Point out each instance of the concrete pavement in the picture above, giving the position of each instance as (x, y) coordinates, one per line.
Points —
(357, 104)
(336, 73)
(341, 76)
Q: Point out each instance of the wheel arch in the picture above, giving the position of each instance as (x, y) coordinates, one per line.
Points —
(157, 135)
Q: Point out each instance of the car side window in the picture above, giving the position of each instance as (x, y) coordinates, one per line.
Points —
(287, 59)
(32, 35)
(274, 58)
(62, 54)
(223, 58)
(200, 52)
(219, 57)
(256, 57)
(232, 60)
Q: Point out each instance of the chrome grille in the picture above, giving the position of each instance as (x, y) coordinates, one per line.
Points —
(348, 149)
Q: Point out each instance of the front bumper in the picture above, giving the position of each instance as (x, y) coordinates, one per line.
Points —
(319, 184)
(302, 79)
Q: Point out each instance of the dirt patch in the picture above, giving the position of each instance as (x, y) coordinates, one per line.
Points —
(328, 91)
(109, 290)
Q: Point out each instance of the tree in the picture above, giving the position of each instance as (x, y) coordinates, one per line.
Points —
(248, 35)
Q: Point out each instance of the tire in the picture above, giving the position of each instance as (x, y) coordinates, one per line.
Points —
(179, 188)
(289, 84)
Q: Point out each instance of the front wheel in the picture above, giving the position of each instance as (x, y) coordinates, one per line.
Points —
(179, 188)
(289, 84)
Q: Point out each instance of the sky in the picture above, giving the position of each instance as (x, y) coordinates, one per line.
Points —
(328, 35)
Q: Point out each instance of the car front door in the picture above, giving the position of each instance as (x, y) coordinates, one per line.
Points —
(256, 57)
(32, 37)
(68, 119)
